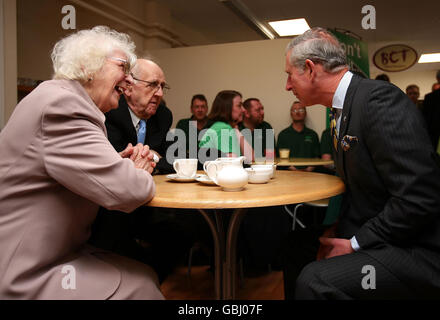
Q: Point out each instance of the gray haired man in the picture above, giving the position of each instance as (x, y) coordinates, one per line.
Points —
(385, 244)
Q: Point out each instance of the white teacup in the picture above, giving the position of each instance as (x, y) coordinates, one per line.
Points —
(265, 167)
(259, 175)
(185, 168)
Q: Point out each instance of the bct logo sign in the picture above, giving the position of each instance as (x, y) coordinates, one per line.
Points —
(397, 57)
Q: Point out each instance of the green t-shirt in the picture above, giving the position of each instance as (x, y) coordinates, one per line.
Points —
(304, 144)
(326, 142)
(221, 136)
(258, 139)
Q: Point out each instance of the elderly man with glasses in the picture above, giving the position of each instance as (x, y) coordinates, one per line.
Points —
(142, 117)
(302, 142)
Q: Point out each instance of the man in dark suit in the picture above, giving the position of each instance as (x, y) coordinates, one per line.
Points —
(146, 234)
(121, 129)
(386, 243)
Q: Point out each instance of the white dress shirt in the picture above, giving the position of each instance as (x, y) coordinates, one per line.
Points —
(338, 104)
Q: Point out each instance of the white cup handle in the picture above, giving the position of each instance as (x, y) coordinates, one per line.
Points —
(212, 174)
(205, 165)
(176, 167)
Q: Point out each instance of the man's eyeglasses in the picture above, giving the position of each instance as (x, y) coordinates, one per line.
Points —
(126, 65)
(302, 110)
(154, 85)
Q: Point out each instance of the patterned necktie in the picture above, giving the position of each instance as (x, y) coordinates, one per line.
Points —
(333, 128)
(142, 131)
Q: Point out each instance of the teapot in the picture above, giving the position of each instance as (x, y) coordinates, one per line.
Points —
(227, 173)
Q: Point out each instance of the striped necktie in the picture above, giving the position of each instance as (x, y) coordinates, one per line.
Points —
(333, 127)
(142, 131)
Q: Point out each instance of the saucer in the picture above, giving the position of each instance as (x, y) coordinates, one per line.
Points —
(203, 178)
(175, 177)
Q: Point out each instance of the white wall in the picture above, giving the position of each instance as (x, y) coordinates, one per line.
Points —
(254, 68)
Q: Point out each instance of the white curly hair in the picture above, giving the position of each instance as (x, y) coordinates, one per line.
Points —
(80, 55)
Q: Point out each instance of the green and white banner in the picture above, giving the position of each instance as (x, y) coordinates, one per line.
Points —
(356, 51)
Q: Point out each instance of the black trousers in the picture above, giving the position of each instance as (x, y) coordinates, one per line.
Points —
(352, 276)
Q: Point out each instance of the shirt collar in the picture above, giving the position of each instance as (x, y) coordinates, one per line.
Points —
(341, 91)
(134, 118)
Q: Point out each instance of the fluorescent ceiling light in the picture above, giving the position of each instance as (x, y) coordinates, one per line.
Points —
(290, 27)
(429, 57)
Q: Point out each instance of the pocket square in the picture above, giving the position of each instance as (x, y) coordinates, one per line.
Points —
(348, 141)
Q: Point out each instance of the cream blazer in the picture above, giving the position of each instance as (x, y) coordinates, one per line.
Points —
(56, 168)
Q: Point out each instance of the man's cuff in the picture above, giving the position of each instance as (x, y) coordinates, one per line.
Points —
(355, 244)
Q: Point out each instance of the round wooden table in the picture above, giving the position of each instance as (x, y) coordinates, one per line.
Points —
(288, 187)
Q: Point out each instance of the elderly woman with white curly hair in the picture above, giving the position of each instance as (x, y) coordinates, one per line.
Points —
(57, 167)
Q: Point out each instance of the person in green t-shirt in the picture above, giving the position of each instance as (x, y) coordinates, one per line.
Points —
(194, 125)
(226, 112)
(253, 118)
(302, 141)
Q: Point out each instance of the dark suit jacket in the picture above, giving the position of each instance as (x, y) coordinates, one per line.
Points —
(115, 230)
(431, 111)
(392, 177)
(121, 131)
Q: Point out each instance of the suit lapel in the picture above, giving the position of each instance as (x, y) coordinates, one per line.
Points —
(125, 120)
(345, 119)
(150, 129)
(153, 128)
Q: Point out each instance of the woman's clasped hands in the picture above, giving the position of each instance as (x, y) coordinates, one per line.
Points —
(141, 155)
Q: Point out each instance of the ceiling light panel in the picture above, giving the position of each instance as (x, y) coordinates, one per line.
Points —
(429, 57)
(291, 27)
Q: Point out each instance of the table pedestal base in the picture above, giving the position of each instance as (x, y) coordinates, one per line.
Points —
(225, 251)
